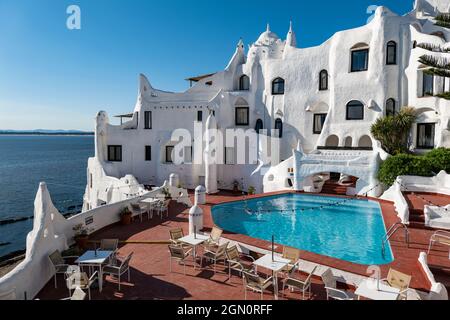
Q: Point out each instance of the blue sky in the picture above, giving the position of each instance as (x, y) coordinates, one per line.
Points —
(55, 78)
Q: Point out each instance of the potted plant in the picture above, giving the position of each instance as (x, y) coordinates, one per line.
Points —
(166, 193)
(251, 191)
(81, 236)
(126, 216)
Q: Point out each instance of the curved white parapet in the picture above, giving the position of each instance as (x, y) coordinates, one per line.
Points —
(438, 184)
(438, 290)
(51, 231)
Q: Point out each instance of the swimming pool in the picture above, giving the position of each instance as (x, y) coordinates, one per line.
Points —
(351, 231)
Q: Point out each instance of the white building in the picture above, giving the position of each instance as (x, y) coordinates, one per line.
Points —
(323, 99)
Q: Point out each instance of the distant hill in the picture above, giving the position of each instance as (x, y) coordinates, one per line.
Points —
(46, 132)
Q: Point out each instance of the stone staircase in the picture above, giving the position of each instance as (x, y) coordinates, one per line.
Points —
(333, 187)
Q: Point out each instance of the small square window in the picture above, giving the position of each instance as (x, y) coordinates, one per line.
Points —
(242, 115)
(115, 153)
(319, 121)
(148, 153)
(169, 152)
(360, 60)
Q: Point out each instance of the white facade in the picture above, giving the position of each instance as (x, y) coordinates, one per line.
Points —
(317, 80)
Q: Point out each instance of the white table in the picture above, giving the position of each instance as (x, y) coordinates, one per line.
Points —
(275, 265)
(194, 241)
(150, 203)
(370, 290)
(95, 259)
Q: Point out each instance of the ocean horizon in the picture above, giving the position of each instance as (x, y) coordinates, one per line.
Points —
(60, 160)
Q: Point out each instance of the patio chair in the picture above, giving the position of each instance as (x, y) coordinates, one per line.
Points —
(256, 283)
(398, 280)
(218, 255)
(110, 245)
(78, 295)
(212, 243)
(176, 235)
(439, 237)
(331, 287)
(60, 264)
(119, 268)
(293, 255)
(162, 207)
(235, 261)
(137, 210)
(81, 281)
(294, 283)
(180, 254)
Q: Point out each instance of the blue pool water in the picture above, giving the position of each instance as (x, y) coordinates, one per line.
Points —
(352, 231)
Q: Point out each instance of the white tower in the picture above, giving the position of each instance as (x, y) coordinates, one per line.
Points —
(211, 155)
(291, 39)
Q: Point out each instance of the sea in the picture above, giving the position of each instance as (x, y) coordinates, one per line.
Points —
(27, 160)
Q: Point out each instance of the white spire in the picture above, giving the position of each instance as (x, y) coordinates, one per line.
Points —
(268, 27)
(291, 39)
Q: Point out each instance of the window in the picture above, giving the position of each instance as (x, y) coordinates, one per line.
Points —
(278, 86)
(242, 114)
(360, 60)
(355, 110)
(169, 151)
(229, 156)
(147, 120)
(244, 83)
(319, 120)
(148, 153)
(200, 116)
(279, 127)
(390, 108)
(323, 81)
(115, 153)
(259, 126)
(428, 85)
(391, 53)
(91, 181)
(425, 135)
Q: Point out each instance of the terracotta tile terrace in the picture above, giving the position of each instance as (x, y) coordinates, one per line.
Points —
(151, 278)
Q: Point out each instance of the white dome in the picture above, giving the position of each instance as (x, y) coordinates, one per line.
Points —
(267, 38)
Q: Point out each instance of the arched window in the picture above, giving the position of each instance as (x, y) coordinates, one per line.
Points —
(323, 80)
(279, 127)
(259, 126)
(242, 113)
(278, 86)
(355, 110)
(391, 53)
(244, 83)
(365, 142)
(390, 107)
(332, 141)
(348, 142)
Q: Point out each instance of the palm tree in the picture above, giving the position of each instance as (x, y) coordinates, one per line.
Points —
(393, 131)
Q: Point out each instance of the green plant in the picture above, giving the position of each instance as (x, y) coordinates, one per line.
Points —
(125, 212)
(439, 160)
(80, 230)
(393, 131)
(404, 164)
(251, 190)
(166, 192)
